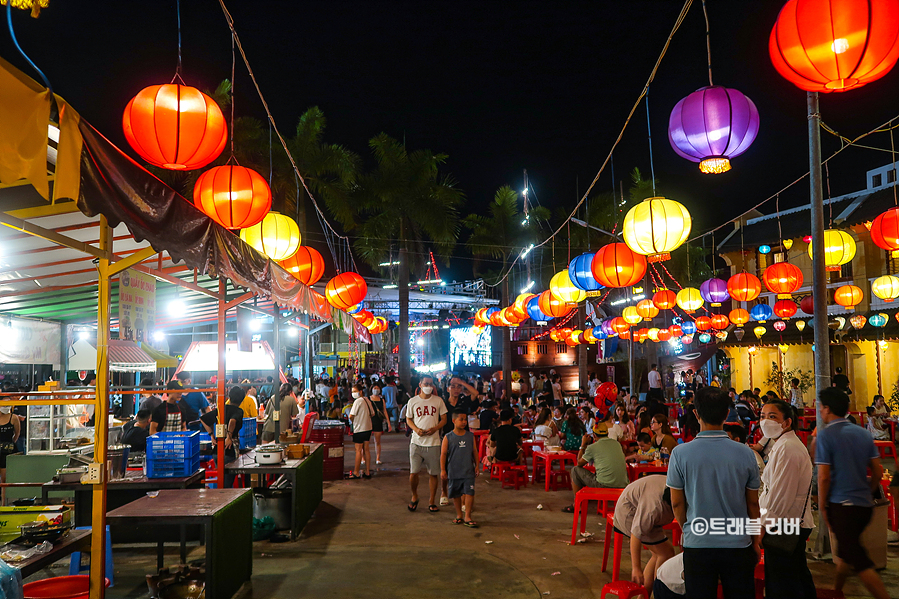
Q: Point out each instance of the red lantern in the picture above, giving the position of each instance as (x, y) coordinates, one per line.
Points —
(626, 335)
(620, 326)
(780, 326)
(675, 330)
(233, 196)
(496, 319)
(848, 296)
(807, 305)
(835, 45)
(320, 305)
(307, 265)
(885, 230)
(664, 299)
(719, 322)
(346, 290)
(664, 334)
(647, 309)
(739, 316)
(571, 341)
(783, 279)
(785, 308)
(642, 335)
(509, 315)
(703, 323)
(686, 339)
(744, 287)
(551, 306)
(174, 126)
(480, 317)
(616, 265)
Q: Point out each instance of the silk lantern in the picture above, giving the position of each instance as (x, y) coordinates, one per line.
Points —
(783, 279)
(885, 230)
(714, 291)
(564, 290)
(277, 236)
(689, 299)
(687, 339)
(552, 306)
(357, 308)
(703, 323)
(744, 287)
(783, 347)
(642, 335)
(807, 305)
(581, 274)
(759, 331)
(364, 317)
(835, 45)
(664, 299)
(719, 322)
(780, 326)
(174, 126)
(761, 312)
(784, 308)
(738, 333)
(721, 335)
(234, 196)
(664, 335)
(704, 338)
(631, 315)
(878, 320)
(885, 287)
(521, 304)
(589, 336)
(839, 248)
(306, 265)
(619, 325)
(739, 316)
(616, 265)
(535, 312)
(653, 334)
(848, 296)
(711, 126)
(606, 326)
(626, 335)
(656, 227)
(647, 310)
(858, 321)
(688, 327)
(345, 290)
(676, 330)
(480, 317)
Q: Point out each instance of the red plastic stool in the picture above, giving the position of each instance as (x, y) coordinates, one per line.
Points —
(624, 589)
(886, 448)
(497, 468)
(514, 477)
(829, 594)
(559, 479)
(676, 533)
(616, 557)
(582, 500)
(760, 578)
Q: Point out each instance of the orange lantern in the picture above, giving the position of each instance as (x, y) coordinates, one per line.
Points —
(783, 279)
(364, 317)
(617, 265)
(739, 316)
(620, 326)
(675, 330)
(497, 320)
(848, 296)
(520, 307)
(642, 335)
(785, 308)
(835, 45)
(573, 338)
(381, 325)
(174, 126)
(234, 196)
(703, 323)
(551, 306)
(345, 290)
(307, 265)
(508, 314)
(480, 317)
(719, 322)
(320, 305)
(555, 335)
(744, 287)
(647, 309)
(664, 299)
(626, 335)
(664, 334)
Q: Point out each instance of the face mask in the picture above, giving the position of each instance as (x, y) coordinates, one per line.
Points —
(375, 391)
(5, 409)
(356, 395)
(771, 429)
(427, 390)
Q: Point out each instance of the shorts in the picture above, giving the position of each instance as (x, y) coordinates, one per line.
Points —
(847, 522)
(363, 437)
(424, 456)
(584, 477)
(457, 487)
(647, 543)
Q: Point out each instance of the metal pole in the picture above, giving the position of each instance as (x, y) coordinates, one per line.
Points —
(276, 340)
(582, 349)
(308, 358)
(220, 385)
(819, 273)
(630, 364)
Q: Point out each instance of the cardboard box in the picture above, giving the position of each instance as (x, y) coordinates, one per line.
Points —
(12, 517)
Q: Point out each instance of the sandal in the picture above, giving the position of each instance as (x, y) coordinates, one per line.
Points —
(351, 476)
(471, 524)
(366, 476)
(568, 509)
(458, 521)
(433, 508)
(413, 505)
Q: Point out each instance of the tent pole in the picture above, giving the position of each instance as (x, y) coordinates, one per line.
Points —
(220, 384)
(101, 418)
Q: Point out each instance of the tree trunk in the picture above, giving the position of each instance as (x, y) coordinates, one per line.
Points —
(507, 345)
(403, 287)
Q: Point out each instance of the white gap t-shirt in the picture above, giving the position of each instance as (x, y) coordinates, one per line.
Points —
(426, 413)
(361, 413)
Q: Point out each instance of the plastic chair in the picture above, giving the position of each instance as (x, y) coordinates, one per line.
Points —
(582, 499)
(886, 448)
(514, 477)
(75, 566)
(310, 419)
(624, 589)
(559, 479)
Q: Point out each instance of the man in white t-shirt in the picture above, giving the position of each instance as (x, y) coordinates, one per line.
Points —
(425, 417)
(655, 383)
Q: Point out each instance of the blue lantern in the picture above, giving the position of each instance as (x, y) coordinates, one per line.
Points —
(688, 327)
(599, 333)
(764, 249)
(878, 320)
(356, 308)
(581, 274)
(705, 338)
(761, 312)
(534, 310)
(491, 311)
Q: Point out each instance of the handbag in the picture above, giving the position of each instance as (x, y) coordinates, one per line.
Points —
(786, 543)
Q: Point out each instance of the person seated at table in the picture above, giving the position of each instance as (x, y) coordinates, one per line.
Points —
(488, 415)
(876, 426)
(880, 406)
(633, 403)
(529, 418)
(558, 415)
(586, 416)
(136, 431)
(624, 423)
(641, 513)
(169, 415)
(607, 458)
(662, 439)
(572, 431)
(645, 451)
(545, 428)
(335, 411)
(643, 420)
(669, 582)
(506, 439)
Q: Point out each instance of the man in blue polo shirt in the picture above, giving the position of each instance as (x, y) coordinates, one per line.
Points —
(844, 452)
(714, 486)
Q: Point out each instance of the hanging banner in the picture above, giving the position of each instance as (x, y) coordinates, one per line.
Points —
(137, 306)
(30, 342)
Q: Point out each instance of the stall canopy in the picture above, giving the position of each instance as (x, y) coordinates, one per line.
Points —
(162, 360)
(202, 356)
(124, 356)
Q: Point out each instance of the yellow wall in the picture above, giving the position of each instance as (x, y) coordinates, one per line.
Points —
(889, 367)
(801, 356)
(739, 362)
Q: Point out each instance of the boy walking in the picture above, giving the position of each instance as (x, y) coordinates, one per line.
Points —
(458, 467)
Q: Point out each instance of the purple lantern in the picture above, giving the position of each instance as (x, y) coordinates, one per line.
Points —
(714, 291)
(712, 125)
(606, 327)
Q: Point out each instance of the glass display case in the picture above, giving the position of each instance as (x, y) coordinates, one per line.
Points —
(55, 428)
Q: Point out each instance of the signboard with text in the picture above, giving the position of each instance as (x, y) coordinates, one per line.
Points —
(137, 306)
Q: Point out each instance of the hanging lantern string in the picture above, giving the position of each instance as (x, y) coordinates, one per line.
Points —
(780, 234)
(12, 34)
(233, 62)
(678, 22)
(830, 204)
(178, 12)
(652, 170)
(708, 41)
(893, 160)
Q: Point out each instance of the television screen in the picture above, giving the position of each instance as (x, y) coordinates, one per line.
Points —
(468, 348)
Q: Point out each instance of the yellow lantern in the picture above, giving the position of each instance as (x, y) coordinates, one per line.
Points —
(277, 236)
(787, 243)
(783, 347)
(800, 324)
(656, 227)
(689, 299)
(886, 287)
(561, 287)
(759, 331)
(839, 248)
(653, 334)
(630, 315)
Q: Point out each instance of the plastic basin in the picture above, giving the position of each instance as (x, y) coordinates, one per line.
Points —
(61, 587)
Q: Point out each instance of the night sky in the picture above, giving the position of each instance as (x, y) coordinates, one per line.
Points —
(498, 86)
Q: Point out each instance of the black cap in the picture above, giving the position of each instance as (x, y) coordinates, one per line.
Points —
(174, 386)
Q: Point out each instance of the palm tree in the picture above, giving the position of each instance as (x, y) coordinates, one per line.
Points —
(404, 203)
(499, 236)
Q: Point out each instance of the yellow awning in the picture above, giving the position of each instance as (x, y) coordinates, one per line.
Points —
(162, 360)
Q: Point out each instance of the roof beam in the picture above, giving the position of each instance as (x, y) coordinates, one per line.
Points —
(32, 229)
(46, 210)
(132, 260)
(162, 276)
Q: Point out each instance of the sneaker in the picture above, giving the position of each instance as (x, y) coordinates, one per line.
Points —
(379, 462)
(444, 501)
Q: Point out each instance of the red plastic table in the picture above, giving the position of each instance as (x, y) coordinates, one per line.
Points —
(530, 445)
(481, 435)
(547, 459)
(634, 471)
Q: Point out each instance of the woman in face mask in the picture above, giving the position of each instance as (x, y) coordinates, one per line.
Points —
(9, 434)
(361, 414)
(785, 499)
(379, 419)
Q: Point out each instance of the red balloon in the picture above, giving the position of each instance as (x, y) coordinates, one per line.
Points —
(346, 290)
(307, 265)
(607, 392)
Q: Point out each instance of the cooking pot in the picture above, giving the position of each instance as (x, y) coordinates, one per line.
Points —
(269, 454)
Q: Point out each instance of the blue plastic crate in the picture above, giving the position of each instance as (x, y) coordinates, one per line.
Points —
(172, 468)
(173, 446)
(247, 434)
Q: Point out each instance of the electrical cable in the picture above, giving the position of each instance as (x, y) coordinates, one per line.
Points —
(15, 41)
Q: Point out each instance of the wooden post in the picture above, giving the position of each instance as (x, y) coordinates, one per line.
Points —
(220, 384)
